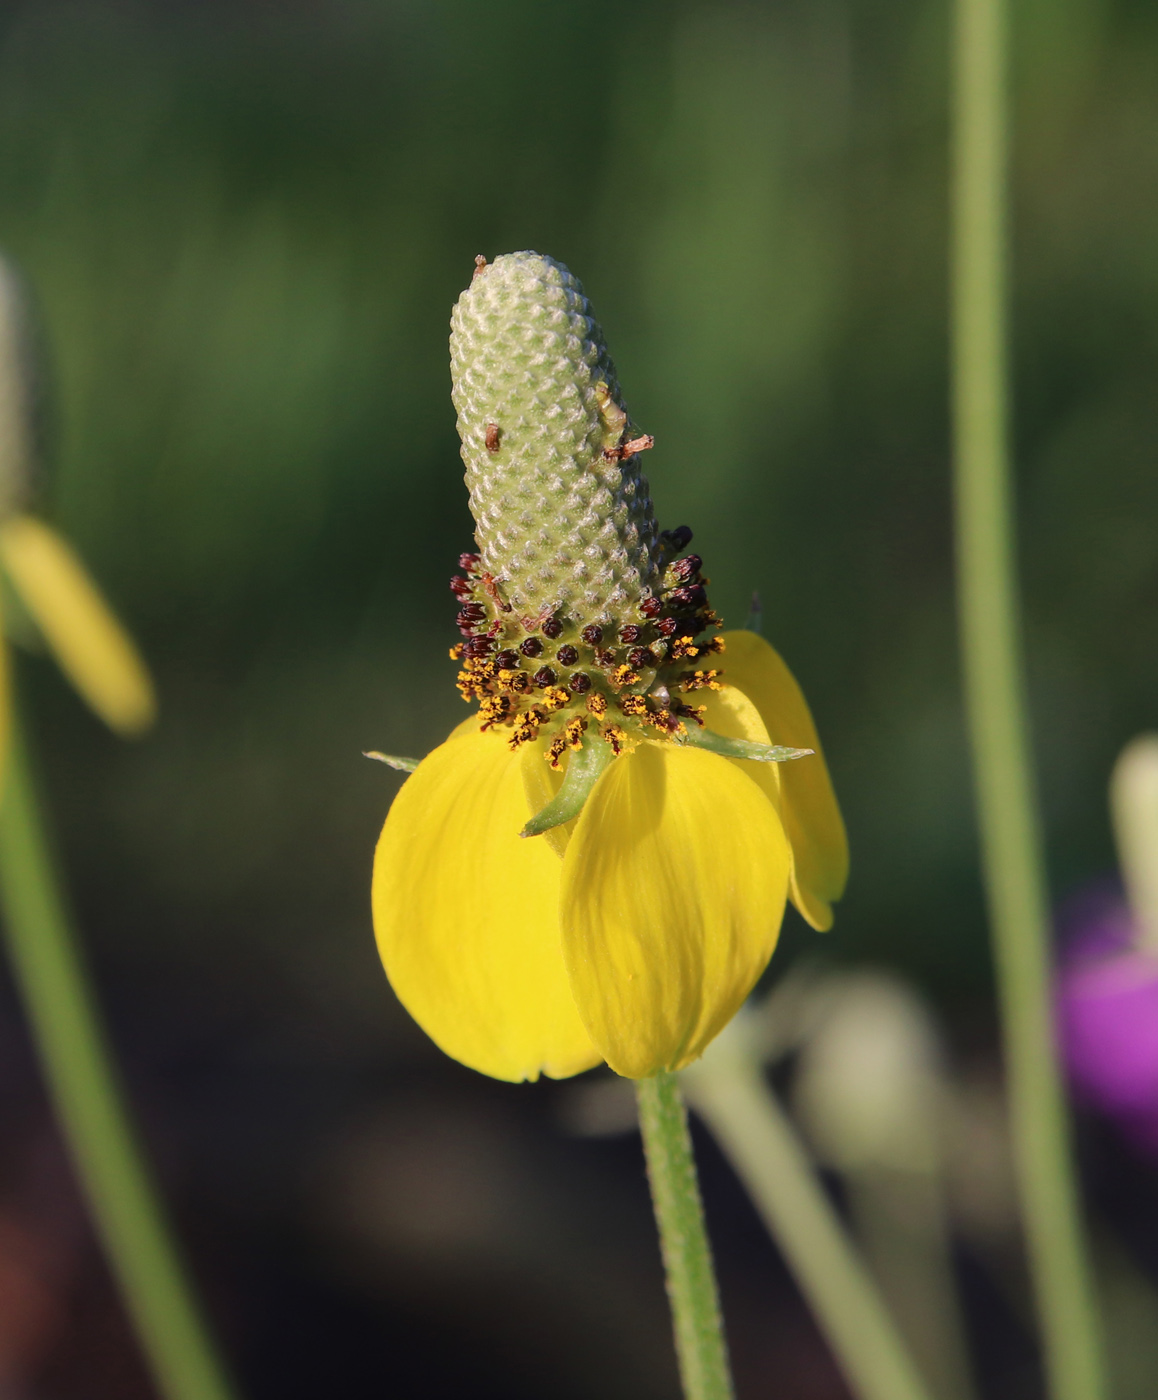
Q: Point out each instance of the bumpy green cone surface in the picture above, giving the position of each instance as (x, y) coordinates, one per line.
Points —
(562, 518)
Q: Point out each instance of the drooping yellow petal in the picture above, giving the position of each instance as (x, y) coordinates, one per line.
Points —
(92, 647)
(729, 712)
(466, 916)
(808, 804)
(673, 891)
(466, 726)
(540, 781)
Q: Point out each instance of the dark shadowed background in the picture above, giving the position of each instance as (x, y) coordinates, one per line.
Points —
(246, 225)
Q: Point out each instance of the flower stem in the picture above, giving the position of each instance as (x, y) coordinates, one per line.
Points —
(88, 1100)
(727, 1088)
(987, 596)
(687, 1255)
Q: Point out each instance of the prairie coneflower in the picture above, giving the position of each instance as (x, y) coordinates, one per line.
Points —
(594, 866)
(42, 569)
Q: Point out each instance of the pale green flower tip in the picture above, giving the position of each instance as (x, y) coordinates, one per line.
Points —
(1134, 809)
(561, 507)
(19, 380)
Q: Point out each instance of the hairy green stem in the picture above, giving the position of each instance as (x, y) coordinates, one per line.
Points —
(988, 600)
(87, 1097)
(687, 1255)
(727, 1088)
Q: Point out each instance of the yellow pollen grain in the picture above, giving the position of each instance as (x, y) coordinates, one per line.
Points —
(615, 736)
(455, 652)
(525, 729)
(623, 675)
(597, 704)
(701, 680)
(634, 705)
(493, 710)
(514, 682)
(555, 751)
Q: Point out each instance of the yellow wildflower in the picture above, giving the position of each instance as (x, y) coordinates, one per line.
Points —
(551, 891)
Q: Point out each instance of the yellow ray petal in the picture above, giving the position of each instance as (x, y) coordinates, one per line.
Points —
(466, 916)
(808, 804)
(466, 726)
(92, 647)
(673, 891)
(729, 712)
(540, 781)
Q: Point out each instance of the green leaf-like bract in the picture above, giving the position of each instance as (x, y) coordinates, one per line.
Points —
(583, 772)
(742, 748)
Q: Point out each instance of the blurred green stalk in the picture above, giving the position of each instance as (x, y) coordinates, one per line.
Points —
(89, 1103)
(1011, 843)
(728, 1089)
(687, 1255)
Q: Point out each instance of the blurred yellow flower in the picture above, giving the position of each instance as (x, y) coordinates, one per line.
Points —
(42, 569)
(92, 647)
(630, 934)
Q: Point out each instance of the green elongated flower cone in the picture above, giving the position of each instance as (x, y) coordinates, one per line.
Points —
(564, 520)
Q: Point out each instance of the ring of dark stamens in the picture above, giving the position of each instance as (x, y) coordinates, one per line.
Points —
(632, 671)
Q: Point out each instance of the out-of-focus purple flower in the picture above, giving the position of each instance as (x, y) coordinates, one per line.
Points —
(1107, 1004)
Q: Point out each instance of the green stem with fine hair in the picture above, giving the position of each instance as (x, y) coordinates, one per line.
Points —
(87, 1097)
(987, 596)
(687, 1255)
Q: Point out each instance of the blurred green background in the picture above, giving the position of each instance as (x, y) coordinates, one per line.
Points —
(246, 225)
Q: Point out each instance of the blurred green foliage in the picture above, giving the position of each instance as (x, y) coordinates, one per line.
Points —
(246, 226)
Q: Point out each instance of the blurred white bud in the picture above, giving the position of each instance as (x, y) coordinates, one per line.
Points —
(869, 1088)
(1134, 810)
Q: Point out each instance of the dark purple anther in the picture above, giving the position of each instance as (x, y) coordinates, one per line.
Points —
(684, 569)
(460, 587)
(478, 647)
(580, 683)
(567, 655)
(507, 660)
(469, 562)
(692, 596)
(651, 607)
(531, 647)
(592, 634)
(679, 538)
(640, 656)
(666, 626)
(630, 634)
(469, 617)
(552, 628)
(544, 676)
